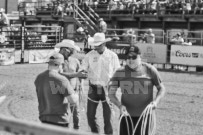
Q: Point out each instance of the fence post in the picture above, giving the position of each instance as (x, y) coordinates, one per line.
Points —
(22, 43)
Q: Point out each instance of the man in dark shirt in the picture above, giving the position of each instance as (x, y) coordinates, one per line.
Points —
(54, 93)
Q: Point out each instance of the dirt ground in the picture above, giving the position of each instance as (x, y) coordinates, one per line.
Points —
(179, 113)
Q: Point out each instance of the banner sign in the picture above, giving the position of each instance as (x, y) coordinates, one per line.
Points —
(119, 49)
(186, 55)
(7, 56)
(40, 56)
(153, 53)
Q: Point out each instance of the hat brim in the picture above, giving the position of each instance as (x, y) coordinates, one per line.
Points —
(132, 54)
(66, 45)
(93, 43)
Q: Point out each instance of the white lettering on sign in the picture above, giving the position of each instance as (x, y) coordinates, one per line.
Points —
(119, 51)
(182, 54)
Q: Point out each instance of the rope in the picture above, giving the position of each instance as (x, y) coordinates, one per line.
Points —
(119, 122)
(95, 101)
(147, 115)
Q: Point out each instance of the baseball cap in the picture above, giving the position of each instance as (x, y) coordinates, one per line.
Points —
(56, 58)
(133, 50)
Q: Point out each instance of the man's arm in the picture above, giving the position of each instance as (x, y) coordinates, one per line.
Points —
(73, 75)
(113, 98)
(160, 94)
(70, 94)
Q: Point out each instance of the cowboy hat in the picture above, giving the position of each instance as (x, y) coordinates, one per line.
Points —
(98, 39)
(68, 44)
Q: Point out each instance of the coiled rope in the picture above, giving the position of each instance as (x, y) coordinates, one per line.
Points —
(147, 115)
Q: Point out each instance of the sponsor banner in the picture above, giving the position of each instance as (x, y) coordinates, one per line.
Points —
(40, 56)
(153, 53)
(7, 56)
(186, 55)
(18, 55)
(119, 49)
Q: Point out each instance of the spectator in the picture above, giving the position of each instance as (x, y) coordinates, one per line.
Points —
(54, 93)
(134, 99)
(177, 39)
(4, 21)
(3, 38)
(131, 36)
(59, 9)
(150, 37)
(186, 7)
(68, 9)
(153, 7)
(102, 26)
(95, 3)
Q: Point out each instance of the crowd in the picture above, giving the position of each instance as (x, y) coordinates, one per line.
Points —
(58, 88)
(148, 6)
(129, 6)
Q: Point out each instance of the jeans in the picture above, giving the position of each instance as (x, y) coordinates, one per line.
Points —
(124, 126)
(75, 112)
(97, 93)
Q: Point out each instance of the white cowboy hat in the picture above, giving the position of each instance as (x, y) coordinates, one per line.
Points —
(67, 43)
(98, 39)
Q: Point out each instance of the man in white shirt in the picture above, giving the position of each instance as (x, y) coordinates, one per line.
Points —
(100, 64)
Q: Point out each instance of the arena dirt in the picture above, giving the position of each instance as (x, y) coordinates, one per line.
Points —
(179, 113)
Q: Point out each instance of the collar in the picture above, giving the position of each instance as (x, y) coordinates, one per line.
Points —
(104, 52)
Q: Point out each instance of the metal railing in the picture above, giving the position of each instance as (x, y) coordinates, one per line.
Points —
(19, 127)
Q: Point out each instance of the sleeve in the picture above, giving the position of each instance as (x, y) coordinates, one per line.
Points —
(85, 63)
(114, 82)
(116, 62)
(156, 78)
(67, 89)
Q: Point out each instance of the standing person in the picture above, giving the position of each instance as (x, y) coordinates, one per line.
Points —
(102, 26)
(150, 37)
(136, 81)
(100, 63)
(71, 65)
(4, 21)
(54, 93)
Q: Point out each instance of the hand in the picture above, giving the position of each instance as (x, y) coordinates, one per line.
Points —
(82, 75)
(123, 110)
(154, 104)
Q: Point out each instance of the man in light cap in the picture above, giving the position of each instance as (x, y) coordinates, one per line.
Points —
(71, 65)
(102, 25)
(54, 93)
(100, 64)
(150, 37)
(136, 81)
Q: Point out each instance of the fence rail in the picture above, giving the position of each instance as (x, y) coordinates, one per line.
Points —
(17, 126)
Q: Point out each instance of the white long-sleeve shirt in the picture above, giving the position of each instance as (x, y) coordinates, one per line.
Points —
(100, 67)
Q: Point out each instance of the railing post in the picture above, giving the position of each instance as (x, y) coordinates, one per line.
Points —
(201, 37)
(22, 43)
